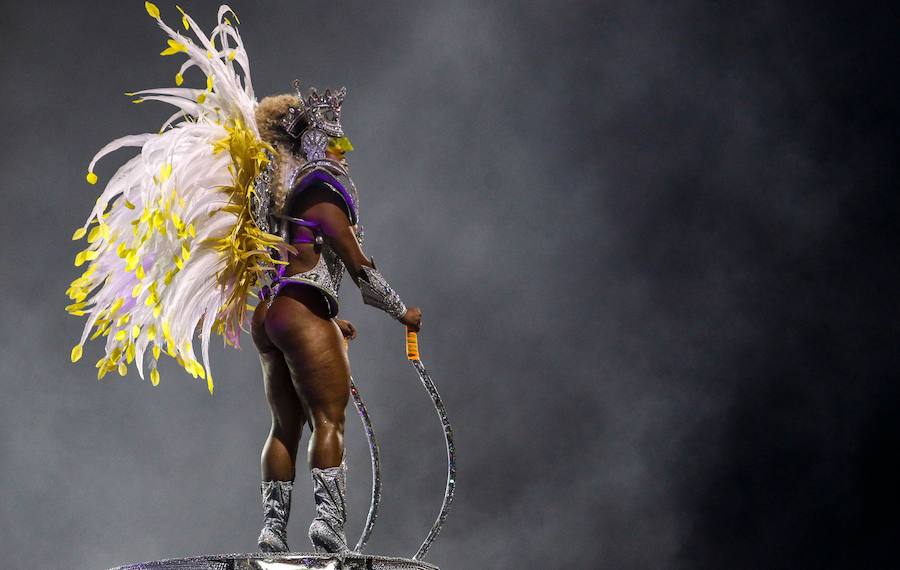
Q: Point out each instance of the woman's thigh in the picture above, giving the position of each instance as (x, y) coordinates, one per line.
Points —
(284, 403)
(314, 352)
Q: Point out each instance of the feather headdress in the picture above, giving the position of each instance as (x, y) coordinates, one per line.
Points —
(172, 245)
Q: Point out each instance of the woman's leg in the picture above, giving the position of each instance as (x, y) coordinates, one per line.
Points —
(313, 349)
(325, 388)
(279, 453)
(314, 352)
(280, 450)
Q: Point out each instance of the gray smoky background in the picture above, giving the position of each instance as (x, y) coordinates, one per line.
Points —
(654, 244)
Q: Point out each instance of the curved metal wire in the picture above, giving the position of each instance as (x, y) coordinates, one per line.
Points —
(376, 467)
(451, 455)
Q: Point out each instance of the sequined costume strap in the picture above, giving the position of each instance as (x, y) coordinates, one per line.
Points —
(298, 221)
(316, 227)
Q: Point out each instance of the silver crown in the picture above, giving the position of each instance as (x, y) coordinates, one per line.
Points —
(321, 112)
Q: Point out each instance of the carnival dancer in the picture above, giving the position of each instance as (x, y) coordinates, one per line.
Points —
(233, 199)
(303, 355)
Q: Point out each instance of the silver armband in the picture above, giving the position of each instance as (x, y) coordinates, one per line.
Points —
(378, 293)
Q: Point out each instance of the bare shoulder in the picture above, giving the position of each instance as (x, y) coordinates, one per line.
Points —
(323, 206)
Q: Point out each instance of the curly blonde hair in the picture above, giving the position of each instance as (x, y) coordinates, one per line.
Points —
(269, 113)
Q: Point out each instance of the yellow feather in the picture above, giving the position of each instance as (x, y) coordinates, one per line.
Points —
(152, 10)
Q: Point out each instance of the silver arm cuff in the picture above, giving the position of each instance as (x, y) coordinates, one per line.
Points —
(378, 293)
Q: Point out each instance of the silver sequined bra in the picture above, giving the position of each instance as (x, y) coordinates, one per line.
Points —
(326, 275)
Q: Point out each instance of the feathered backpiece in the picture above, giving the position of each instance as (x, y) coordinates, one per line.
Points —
(172, 245)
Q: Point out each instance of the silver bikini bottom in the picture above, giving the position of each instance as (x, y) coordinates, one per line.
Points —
(318, 277)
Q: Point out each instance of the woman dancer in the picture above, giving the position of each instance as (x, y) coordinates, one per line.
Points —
(304, 359)
(227, 190)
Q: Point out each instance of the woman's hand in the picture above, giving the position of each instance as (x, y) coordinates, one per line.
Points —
(412, 318)
(347, 328)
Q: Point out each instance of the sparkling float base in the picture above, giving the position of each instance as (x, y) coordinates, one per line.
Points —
(288, 561)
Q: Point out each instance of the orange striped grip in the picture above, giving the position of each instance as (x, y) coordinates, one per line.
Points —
(412, 344)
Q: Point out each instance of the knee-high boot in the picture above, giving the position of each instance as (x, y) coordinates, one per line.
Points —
(327, 530)
(276, 500)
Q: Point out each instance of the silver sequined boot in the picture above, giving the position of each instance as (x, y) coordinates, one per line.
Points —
(327, 530)
(276, 500)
